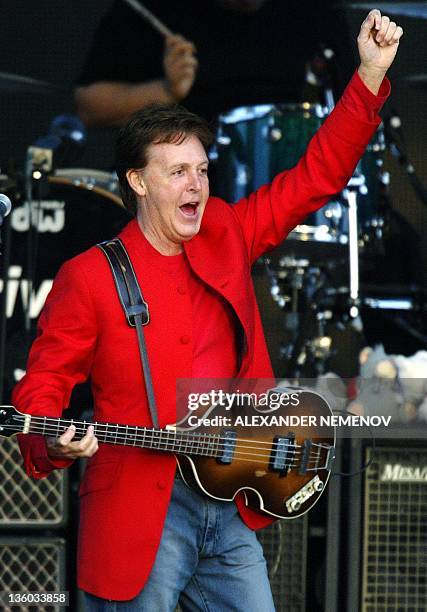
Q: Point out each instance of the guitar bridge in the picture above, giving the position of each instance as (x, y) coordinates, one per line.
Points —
(313, 457)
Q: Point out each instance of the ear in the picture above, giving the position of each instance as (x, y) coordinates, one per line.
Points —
(136, 182)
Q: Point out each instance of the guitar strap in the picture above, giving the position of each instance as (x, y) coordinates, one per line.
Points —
(134, 307)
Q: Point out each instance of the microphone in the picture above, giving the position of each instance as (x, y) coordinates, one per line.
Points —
(5, 206)
(65, 138)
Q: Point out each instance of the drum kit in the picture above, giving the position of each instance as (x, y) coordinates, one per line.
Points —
(313, 275)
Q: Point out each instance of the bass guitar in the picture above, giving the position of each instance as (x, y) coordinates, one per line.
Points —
(281, 460)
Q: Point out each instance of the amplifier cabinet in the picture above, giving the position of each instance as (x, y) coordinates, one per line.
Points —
(32, 564)
(27, 503)
(285, 549)
(392, 573)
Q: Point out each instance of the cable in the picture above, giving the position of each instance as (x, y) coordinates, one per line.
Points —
(374, 450)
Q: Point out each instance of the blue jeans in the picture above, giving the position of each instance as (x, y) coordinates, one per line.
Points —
(208, 560)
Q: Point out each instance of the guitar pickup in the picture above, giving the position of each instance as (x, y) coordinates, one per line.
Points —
(283, 453)
(305, 457)
(228, 441)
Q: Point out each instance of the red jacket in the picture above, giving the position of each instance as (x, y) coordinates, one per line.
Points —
(82, 332)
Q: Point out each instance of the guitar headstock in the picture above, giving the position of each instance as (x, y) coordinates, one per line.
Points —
(11, 421)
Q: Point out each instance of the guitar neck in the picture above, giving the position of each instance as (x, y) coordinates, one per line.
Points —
(167, 440)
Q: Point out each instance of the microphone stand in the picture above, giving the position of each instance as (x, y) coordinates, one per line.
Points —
(4, 300)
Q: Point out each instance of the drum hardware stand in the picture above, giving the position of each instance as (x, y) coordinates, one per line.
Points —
(39, 162)
(377, 224)
(355, 185)
(299, 350)
(4, 298)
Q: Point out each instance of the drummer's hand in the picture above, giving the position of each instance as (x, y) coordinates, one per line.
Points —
(378, 42)
(64, 448)
(180, 65)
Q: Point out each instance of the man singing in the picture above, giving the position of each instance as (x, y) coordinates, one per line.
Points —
(146, 540)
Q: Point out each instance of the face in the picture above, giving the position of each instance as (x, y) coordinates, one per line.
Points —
(172, 191)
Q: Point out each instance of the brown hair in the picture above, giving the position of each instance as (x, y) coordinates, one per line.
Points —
(154, 124)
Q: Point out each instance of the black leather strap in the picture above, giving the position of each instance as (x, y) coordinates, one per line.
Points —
(124, 276)
(134, 307)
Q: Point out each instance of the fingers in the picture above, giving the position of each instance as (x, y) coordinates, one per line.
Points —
(372, 21)
(182, 63)
(392, 35)
(382, 31)
(178, 45)
(67, 436)
(88, 445)
(63, 447)
(385, 32)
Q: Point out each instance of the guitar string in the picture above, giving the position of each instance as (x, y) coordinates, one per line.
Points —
(194, 446)
(236, 457)
(55, 421)
(147, 430)
(313, 458)
(198, 440)
(149, 434)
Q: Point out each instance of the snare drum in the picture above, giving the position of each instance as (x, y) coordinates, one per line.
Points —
(255, 143)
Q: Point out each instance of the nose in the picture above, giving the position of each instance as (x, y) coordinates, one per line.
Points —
(194, 183)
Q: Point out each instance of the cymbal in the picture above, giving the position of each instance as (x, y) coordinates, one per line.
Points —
(15, 83)
(406, 9)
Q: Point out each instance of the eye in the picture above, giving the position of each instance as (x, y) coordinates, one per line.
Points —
(178, 172)
(203, 171)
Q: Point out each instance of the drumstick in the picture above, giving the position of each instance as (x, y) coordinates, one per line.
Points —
(148, 15)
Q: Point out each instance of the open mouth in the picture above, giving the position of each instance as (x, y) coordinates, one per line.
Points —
(189, 209)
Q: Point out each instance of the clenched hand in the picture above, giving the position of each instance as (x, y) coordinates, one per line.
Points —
(180, 66)
(64, 448)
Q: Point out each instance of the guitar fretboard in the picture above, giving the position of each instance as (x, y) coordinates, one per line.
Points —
(168, 440)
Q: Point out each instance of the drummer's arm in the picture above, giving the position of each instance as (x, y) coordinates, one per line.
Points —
(112, 102)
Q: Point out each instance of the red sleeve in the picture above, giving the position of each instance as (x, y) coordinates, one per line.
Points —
(61, 357)
(37, 463)
(270, 213)
(360, 101)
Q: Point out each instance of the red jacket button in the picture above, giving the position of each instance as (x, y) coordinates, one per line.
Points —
(182, 290)
(161, 484)
(184, 339)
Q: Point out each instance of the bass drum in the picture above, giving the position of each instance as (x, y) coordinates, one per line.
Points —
(255, 143)
(71, 211)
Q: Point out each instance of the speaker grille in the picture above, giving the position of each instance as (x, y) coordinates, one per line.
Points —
(285, 549)
(395, 532)
(32, 564)
(25, 502)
